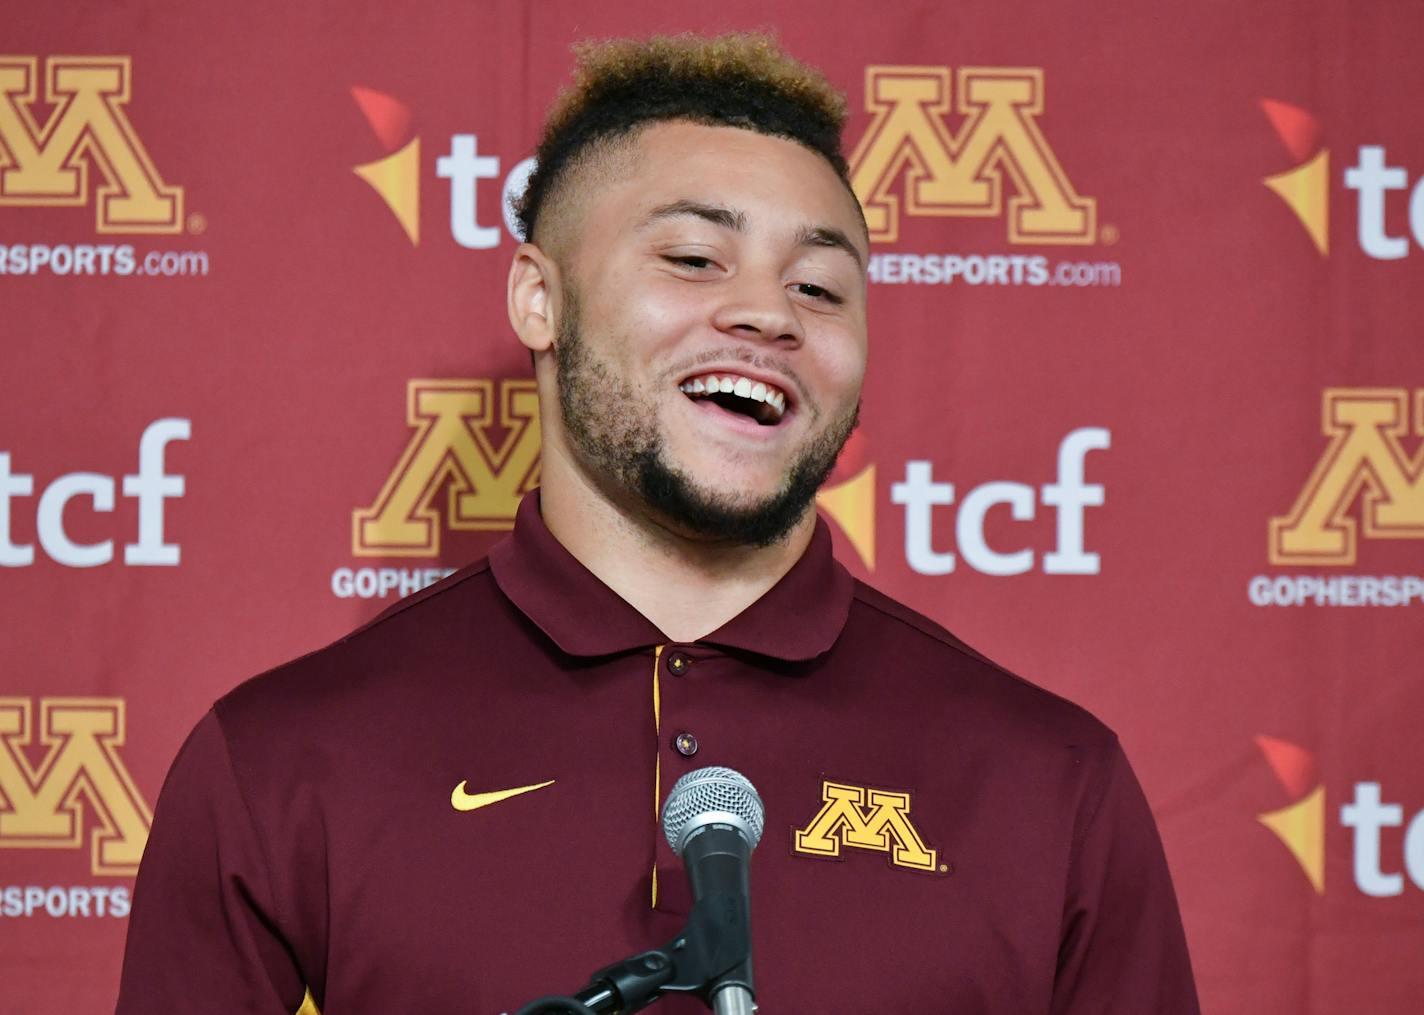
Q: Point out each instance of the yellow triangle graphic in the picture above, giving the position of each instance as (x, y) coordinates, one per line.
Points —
(1301, 826)
(397, 179)
(1306, 189)
(852, 506)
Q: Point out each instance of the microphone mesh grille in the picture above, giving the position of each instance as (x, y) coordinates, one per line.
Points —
(711, 789)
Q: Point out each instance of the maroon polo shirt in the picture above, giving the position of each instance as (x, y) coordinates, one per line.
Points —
(941, 836)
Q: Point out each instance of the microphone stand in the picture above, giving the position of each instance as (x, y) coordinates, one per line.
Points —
(715, 942)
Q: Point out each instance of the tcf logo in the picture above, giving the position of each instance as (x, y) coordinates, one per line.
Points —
(1300, 825)
(151, 486)
(1305, 188)
(396, 176)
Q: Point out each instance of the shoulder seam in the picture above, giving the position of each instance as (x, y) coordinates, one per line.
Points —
(252, 822)
(1114, 751)
(944, 638)
(429, 592)
(929, 629)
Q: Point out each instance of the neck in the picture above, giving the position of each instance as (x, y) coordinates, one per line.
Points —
(687, 587)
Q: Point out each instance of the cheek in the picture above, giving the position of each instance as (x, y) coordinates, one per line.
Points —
(841, 363)
(648, 316)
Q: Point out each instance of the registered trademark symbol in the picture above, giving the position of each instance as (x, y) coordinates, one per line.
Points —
(944, 868)
(197, 223)
(1109, 234)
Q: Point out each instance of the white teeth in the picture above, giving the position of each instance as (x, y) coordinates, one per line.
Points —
(743, 387)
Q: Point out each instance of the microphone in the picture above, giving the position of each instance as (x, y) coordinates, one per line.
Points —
(713, 819)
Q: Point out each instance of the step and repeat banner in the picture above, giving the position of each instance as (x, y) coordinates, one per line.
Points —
(1144, 419)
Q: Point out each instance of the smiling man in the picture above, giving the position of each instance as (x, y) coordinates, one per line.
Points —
(702, 335)
(455, 807)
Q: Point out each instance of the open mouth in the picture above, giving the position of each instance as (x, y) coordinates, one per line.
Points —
(764, 403)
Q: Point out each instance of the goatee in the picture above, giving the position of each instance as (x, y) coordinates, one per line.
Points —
(618, 435)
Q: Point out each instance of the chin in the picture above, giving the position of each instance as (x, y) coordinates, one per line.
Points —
(725, 511)
(732, 488)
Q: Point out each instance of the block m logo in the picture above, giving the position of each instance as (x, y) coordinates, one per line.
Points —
(964, 175)
(39, 806)
(49, 164)
(867, 819)
(1365, 458)
(455, 424)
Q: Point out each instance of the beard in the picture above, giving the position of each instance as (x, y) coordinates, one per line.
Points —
(616, 432)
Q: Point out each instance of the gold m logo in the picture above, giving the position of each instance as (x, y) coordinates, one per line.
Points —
(453, 420)
(867, 819)
(39, 807)
(1365, 458)
(49, 164)
(964, 175)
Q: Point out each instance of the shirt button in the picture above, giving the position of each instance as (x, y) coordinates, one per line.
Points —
(678, 663)
(686, 744)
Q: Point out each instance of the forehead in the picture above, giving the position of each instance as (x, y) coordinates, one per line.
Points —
(774, 182)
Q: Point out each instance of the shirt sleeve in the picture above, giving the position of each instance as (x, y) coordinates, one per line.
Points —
(204, 934)
(1123, 951)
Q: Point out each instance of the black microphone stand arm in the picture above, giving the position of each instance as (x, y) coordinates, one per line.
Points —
(715, 942)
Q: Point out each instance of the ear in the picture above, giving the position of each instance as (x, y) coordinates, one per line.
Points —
(533, 285)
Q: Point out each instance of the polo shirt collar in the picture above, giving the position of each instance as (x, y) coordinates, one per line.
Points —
(797, 619)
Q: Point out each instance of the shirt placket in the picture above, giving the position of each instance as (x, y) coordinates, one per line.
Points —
(676, 728)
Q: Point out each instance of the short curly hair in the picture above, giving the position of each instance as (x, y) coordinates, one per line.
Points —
(737, 80)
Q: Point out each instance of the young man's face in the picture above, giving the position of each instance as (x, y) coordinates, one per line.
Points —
(714, 256)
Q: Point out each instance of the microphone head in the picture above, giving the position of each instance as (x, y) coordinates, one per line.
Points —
(712, 795)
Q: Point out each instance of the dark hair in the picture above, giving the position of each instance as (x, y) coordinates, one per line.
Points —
(736, 80)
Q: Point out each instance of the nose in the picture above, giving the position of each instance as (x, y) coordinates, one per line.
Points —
(759, 308)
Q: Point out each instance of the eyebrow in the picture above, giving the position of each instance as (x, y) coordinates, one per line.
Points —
(716, 214)
(827, 236)
(727, 218)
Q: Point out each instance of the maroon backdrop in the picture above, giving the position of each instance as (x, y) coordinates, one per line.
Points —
(1143, 419)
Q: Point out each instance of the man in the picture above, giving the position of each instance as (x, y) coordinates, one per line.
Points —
(455, 807)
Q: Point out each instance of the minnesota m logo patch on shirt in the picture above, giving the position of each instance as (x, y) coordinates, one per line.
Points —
(866, 818)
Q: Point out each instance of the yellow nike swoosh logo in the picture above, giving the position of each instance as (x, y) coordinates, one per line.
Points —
(463, 801)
